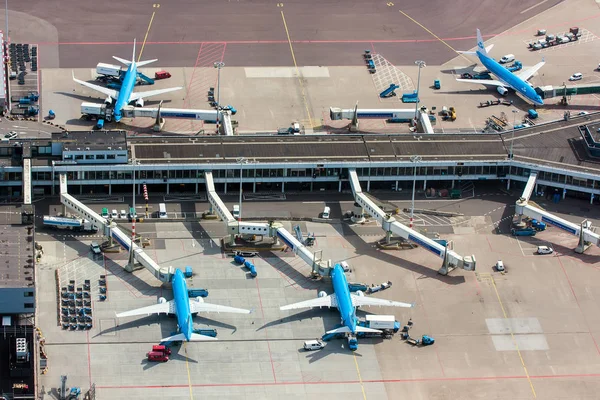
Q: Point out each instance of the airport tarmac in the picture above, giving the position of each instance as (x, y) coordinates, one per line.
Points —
(531, 330)
(271, 97)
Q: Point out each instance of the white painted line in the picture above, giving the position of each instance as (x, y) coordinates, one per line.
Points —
(533, 6)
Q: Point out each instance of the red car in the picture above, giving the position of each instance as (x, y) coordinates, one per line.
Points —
(162, 75)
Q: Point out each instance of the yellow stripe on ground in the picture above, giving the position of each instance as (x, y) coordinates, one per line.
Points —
(287, 32)
(362, 386)
(187, 366)
(514, 340)
(433, 34)
(146, 37)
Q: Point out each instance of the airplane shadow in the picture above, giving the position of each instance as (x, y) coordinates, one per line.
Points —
(181, 357)
(306, 314)
(143, 321)
(339, 347)
(280, 264)
(212, 323)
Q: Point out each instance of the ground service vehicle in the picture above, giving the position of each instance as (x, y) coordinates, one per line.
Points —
(95, 248)
(157, 356)
(108, 70)
(236, 211)
(507, 58)
(538, 225)
(105, 213)
(162, 210)
(545, 250)
(523, 232)
(161, 75)
(161, 349)
(326, 211)
(499, 266)
(114, 214)
(75, 224)
(11, 135)
(383, 322)
(122, 214)
(576, 76)
(314, 345)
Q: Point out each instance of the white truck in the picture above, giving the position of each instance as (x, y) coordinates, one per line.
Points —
(108, 70)
(96, 112)
(381, 322)
(70, 223)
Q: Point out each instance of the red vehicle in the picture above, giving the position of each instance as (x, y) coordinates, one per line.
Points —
(161, 349)
(158, 356)
(162, 75)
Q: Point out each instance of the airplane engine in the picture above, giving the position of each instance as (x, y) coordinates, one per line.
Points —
(108, 101)
(162, 300)
(502, 90)
(322, 294)
(360, 293)
(199, 299)
(139, 103)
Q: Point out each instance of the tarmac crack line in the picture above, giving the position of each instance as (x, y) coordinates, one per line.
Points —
(577, 301)
(266, 334)
(512, 335)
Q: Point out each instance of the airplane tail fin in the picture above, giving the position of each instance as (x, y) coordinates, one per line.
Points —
(480, 45)
(180, 337)
(133, 55)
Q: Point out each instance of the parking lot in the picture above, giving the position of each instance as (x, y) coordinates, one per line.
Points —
(24, 68)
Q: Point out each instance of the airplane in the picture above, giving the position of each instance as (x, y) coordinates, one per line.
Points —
(506, 79)
(346, 303)
(125, 95)
(183, 307)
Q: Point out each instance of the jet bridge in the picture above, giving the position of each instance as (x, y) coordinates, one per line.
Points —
(27, 181)
(159, 113)
(451, 259)
(273, 230)
(587, 236)
(111, 230)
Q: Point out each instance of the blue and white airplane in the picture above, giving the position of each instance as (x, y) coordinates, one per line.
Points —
(346, 303)
(125, 95)
(506, 79)
(183, 307)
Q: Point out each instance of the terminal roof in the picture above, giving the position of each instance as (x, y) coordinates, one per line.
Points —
(16, 249)
(94, 140)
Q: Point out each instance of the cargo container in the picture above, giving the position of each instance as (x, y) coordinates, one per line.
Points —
(108, 70)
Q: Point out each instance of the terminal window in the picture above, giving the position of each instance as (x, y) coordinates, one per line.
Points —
(28, 294)
(28, 305)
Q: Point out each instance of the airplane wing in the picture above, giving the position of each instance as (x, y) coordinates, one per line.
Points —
(490, 82)
(160, 308)
(197, 307)
(327, 301)
(528, 73)
(140, 95)
(180, 337)
(373, 301)
(109, 92)
(126, 62)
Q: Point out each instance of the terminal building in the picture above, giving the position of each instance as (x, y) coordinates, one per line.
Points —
(565, 155)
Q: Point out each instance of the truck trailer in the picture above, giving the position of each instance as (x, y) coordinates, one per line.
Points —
(108, 70)
(70, 223)
(27, 111)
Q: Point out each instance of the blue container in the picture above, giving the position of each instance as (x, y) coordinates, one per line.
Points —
(251, 267)
(188, 272)
(239, 259)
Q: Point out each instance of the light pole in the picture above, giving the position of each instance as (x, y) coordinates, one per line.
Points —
(133, 214)
(420, 64)
(218, 65)
(241, 161)
(415, 160)
(515, 112)
(6, 53)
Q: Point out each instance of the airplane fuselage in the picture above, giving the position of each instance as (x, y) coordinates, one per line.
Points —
(509, 79)
(342, 293)
(182, 305)
(125, 92)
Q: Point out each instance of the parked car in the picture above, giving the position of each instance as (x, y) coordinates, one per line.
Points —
(507, 58)
(123, 214)
(11, 135)
(545, 250)
(499, 266)
(577, 76)
(95, 248)
(114, 214)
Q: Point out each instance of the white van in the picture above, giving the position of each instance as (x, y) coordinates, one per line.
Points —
(326, 212)
(314, 345)
(507, 58)
(236, 211)
(162, 210)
